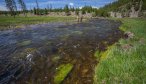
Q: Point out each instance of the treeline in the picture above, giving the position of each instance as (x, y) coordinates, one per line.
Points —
(47, 10)
(66, 9)
(16, 13)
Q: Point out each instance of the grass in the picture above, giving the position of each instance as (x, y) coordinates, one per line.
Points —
(125, 65)
(8, 22)
(62, 71)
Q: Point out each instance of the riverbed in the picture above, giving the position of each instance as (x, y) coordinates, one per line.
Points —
(32, 55)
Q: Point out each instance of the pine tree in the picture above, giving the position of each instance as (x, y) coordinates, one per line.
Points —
(77, 11)
(46, 11)
(34, 11)
(66, 9)
(83, 12)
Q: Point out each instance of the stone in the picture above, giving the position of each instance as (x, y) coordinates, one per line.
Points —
(29, 57)
(129, 35)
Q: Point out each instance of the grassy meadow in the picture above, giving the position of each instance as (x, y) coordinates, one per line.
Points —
(8, 22)
(125, 61)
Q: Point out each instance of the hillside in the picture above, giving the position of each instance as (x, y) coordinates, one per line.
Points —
(126, 8)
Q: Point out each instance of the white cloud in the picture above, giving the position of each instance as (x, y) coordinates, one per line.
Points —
(92, 7)
(95, 7)
(71, 4)
(80, 7)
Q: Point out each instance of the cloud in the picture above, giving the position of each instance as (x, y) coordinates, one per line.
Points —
(92, 7)
(80, 7)
(95, 7)
(71, 4)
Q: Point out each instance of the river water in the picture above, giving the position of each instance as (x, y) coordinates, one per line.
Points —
(31, 55)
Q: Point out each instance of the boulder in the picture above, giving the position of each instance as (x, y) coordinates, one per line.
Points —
(129, 35)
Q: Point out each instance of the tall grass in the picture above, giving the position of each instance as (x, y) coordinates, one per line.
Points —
(125, 65)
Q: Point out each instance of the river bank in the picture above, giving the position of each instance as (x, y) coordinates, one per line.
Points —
(124, 62)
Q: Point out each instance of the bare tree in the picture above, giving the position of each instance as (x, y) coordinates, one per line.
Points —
(23, 6)
(11, 6)
(37, 3)
(37, 6)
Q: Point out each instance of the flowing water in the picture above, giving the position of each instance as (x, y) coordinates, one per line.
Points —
(31, 55)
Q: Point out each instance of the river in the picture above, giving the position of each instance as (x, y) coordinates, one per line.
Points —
(31, 55)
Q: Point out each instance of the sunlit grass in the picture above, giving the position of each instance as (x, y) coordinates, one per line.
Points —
(7, 22)
(125, 65)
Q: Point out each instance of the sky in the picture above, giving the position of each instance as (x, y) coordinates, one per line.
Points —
(61, 3)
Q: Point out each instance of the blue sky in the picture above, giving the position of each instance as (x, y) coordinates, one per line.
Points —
(61, 3)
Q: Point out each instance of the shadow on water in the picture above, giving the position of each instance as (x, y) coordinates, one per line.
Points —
(32, 55)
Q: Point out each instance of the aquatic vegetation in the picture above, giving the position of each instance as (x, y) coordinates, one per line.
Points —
(43, 37)
(23, 55)
(25, 43)
(55, 58)
(97, 54)
(48, 43)
(61, 72)
(78, 32)
(65, 37)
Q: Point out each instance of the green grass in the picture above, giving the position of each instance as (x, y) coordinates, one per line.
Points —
(125, 65)
(62, 71)
(7, 21)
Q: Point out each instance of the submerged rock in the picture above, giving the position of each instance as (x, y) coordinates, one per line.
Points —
(29, 57)
(55, 58)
